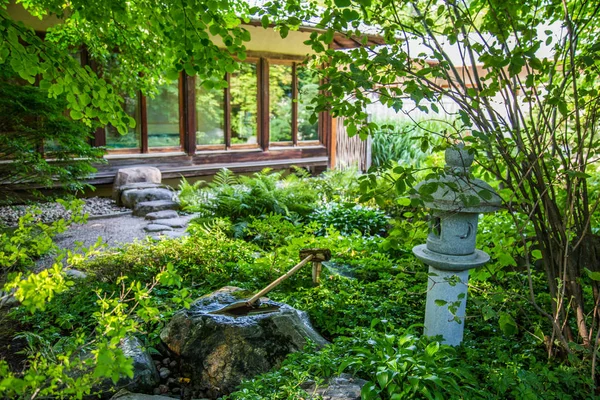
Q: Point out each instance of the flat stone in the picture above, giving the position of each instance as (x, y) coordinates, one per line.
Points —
(142, 185)
(76, 274)
(173, 222)
(146, 207)
(127, 395)
(166, 214)
(343, 387)
(157, 228)
(129, 198)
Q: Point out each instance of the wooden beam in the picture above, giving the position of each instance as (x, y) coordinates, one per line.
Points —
(227, 111)
(144, 123)
(263, 103)
(295, 100)
(333, 143)
(187, 115)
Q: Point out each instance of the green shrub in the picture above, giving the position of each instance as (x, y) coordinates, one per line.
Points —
(405, 142)
(348, 218)
(261, 194)
(39, 145)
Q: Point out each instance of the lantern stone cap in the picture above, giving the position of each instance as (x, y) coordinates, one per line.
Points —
(456, 190)
(446, 262)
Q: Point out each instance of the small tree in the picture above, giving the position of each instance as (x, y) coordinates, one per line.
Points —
(39, 145)
(532, 118)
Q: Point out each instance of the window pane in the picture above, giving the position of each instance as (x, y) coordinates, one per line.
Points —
(209, 115)
(132, 139)
(243, 87)
(308, 88)
(280, 97)
(163, 117)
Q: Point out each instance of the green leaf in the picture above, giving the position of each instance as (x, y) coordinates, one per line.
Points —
(593, 275)
(342, 3)
(508, 324)
(76, 114)
(440, 302)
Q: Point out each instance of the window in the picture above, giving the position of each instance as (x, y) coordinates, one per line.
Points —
(280, 99)
(237, 105)
(308, 89)
(265, 102)
(157, 123)
(163, 117)
(132, 139)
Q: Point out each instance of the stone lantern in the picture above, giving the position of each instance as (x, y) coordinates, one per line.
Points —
(456, 201)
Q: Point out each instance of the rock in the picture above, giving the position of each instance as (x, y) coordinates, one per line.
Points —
(172, 222)
(164, 373)
(7, 299)
(129, 198)
(127, 176)
(166, 214)
(73, 273)
(343, 387)
(145, 376)
(146, 207)
(173, 234)
(173, 364)
(219, 350)
(141, 185)
(127, 395)
(157, 228)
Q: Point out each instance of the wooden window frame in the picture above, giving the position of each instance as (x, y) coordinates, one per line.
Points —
(188, 116)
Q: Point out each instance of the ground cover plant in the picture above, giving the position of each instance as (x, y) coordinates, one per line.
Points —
(370, 305)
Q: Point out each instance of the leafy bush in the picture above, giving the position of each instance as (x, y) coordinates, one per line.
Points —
(405, 142)
(348, 218)
(19, 248)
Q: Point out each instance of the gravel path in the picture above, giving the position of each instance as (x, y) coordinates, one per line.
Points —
(9, 215)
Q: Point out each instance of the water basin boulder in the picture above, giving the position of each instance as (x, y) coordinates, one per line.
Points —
(218, 351)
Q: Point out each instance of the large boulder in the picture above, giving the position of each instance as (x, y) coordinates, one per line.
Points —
(218, 351)
(126, 176)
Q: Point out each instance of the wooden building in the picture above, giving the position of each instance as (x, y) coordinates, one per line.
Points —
(260, 120)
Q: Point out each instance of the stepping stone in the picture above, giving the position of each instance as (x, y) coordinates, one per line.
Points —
(173, 222)
(166, 214)
(170, 235)
(157, 228)
(146, 207)
(131, 197)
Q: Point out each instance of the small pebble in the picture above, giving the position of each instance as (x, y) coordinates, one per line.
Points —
(164, 373)
(171, 381)
(173, 364)
(163, 389)
(156, 391)
(176, 390)
(166, 361)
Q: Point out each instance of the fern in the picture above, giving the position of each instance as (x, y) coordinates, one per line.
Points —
(224, 178)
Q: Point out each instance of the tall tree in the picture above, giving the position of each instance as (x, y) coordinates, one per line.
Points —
(524, 76)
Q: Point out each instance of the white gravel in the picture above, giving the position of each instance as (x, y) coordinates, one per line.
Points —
(9, 215)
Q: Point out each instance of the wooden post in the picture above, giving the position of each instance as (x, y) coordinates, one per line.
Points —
(316, 272)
